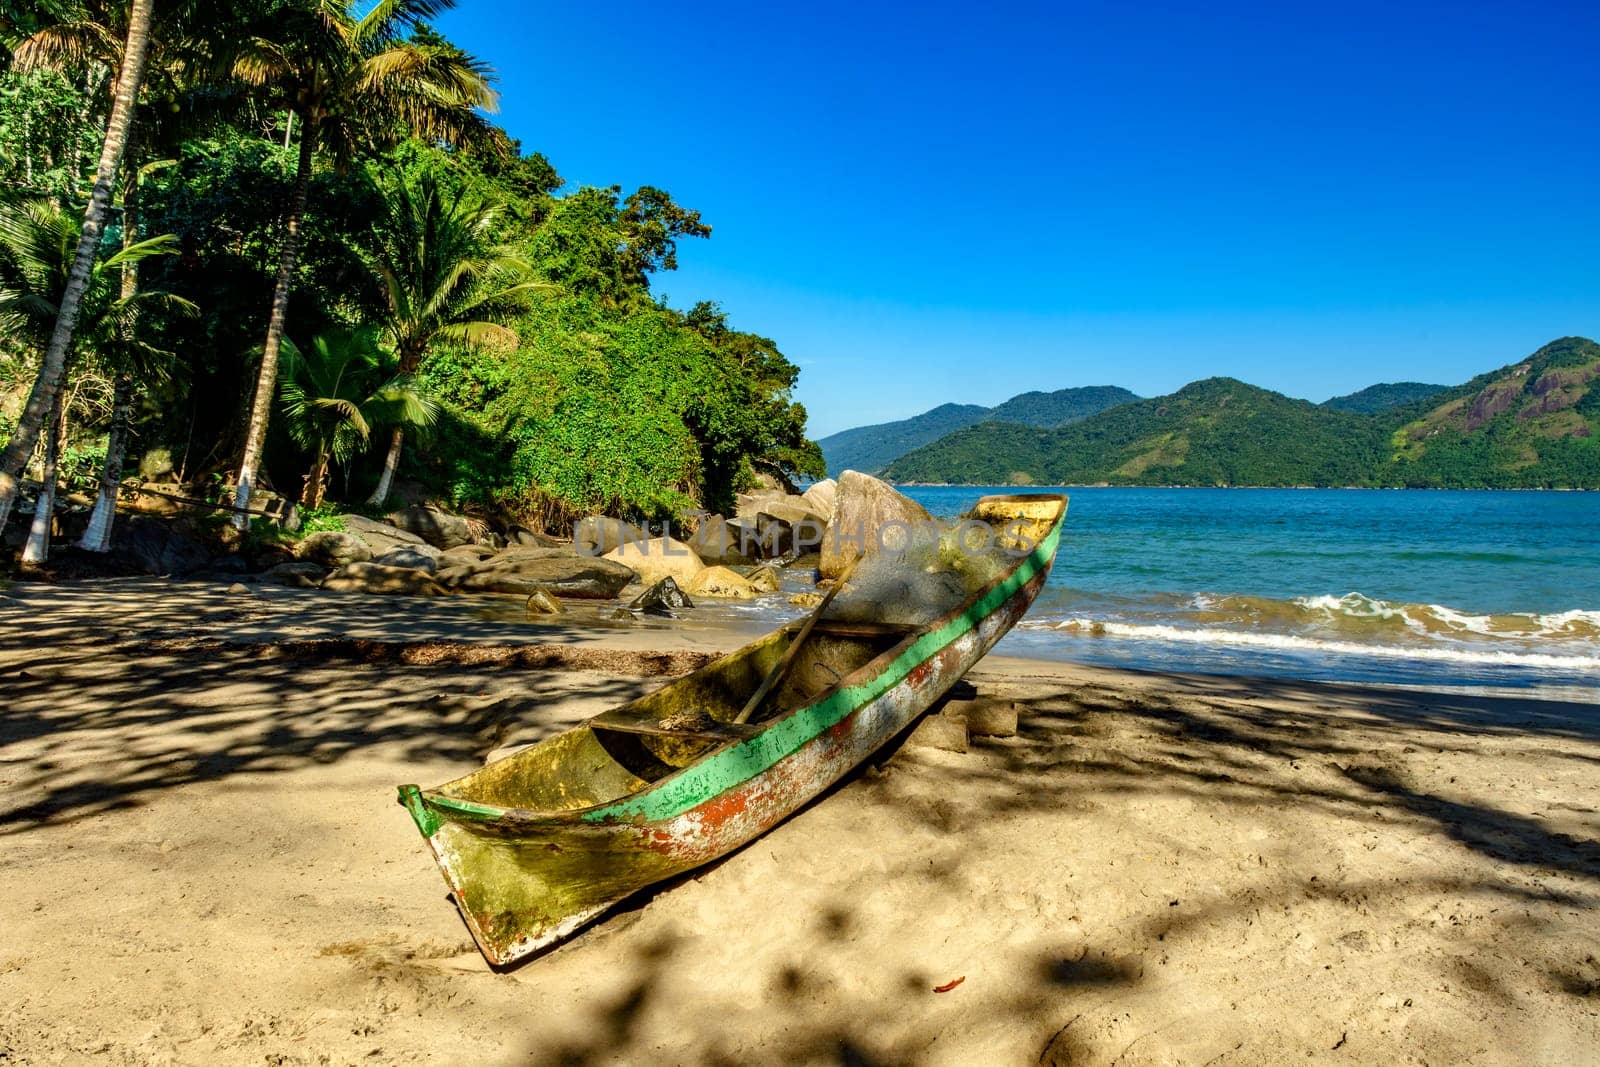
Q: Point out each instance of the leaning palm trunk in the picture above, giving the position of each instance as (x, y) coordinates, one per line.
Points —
(37, 548)
(390, 463)
(267, 376)
(52, 369)
(97, 535)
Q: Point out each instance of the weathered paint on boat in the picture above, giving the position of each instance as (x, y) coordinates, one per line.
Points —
(547, 854)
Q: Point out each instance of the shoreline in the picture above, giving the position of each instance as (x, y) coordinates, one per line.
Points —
(268, 615)
(1318, 488)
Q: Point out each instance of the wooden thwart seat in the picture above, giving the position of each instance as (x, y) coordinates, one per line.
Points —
(695, 728)
(841, 628)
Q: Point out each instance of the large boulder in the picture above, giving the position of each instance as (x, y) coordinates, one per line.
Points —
(376, 578)
(863, 508)
(464, 555)
(295, 575)
(332, 548)
(598, 535)
(663, 599)
(765, 578)
(724, 583)
(383, 537)
(658, 558)
(410, 558)
(527, 570)
(157, 547)
(521, 535)
(718, 542)
(437, 527)
(786, 530)
(749, 505)
(821, 497)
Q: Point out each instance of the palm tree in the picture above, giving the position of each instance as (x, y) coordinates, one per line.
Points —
(353, 84)
(441, 279)
(336, 393)
(37, 258)
(78, 37)
(52, 367)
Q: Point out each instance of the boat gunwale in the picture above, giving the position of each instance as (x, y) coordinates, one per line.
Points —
(517, 817)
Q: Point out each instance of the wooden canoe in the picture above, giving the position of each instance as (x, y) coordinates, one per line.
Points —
(537, 844)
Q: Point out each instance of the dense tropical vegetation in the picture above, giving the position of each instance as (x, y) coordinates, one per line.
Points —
(1532, 424)
(289, 251)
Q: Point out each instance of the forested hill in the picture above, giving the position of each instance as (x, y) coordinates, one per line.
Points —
(1384, 397)
(1529, 424)
(872, 448)
(1060, 408)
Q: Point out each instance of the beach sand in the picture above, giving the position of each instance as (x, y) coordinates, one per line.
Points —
(204, 861)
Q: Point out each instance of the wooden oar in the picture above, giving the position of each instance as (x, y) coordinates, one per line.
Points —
(786, 661)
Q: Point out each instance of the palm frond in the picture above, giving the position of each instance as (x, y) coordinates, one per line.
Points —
(391, 19)
(259, 61)
(478, 334)
(164, 245)
(444, 76)
(68, 45)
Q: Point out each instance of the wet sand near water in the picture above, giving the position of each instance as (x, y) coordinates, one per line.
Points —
(205, 862)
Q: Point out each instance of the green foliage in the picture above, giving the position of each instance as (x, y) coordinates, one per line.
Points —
(80, 464)
(643, 412)
(49, 139)
(318, 519)
(598, 243)
(340, 388)
(38, 241)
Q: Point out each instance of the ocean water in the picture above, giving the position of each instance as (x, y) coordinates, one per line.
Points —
(1404, 587)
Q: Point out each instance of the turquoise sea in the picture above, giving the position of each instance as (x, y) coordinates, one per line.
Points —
(1407, 587)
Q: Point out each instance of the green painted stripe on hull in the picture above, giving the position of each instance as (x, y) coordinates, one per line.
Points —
(426, 819)
(744, 761)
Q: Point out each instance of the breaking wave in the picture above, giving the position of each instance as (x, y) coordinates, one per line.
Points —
(1348, 625)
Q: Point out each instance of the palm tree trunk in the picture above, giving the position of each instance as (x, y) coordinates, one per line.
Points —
(267, 376)
(52, 369)
(37, 547)
(311, 495)
(97, 535)
(390, 462)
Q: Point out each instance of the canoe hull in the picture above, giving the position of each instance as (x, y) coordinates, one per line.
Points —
(522, 885)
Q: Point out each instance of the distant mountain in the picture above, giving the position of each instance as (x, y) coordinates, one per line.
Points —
(1214, 432)
(1533, 423)
(1384, 397)
(872, 448)
(1062, 407)
(1529, 424)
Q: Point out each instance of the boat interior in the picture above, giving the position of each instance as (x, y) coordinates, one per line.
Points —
(622, 751)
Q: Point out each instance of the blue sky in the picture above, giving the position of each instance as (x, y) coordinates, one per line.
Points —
(925, 203)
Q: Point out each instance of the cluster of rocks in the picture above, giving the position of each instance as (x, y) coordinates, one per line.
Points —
(426, 551)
